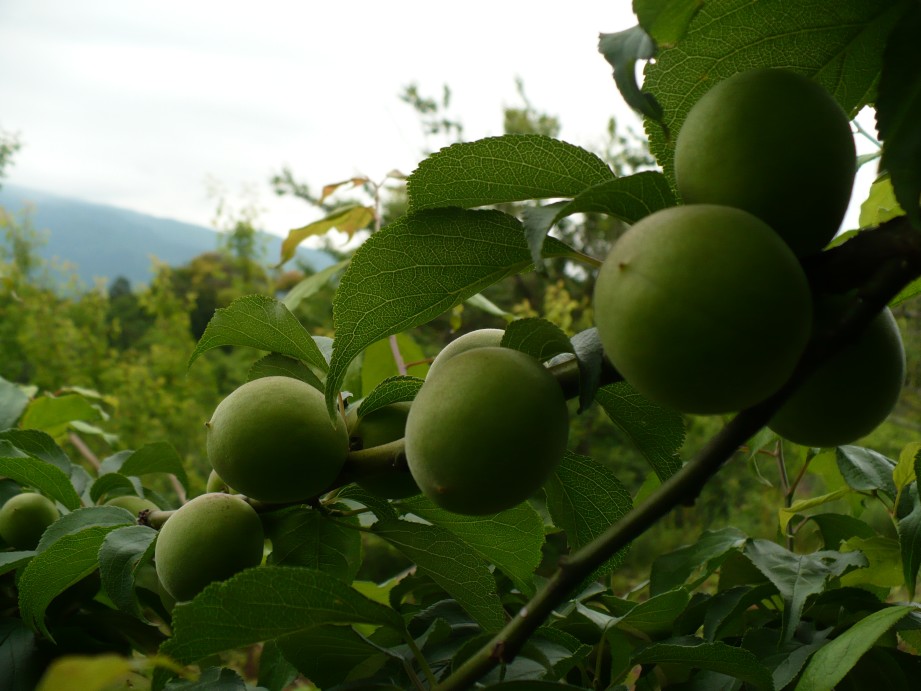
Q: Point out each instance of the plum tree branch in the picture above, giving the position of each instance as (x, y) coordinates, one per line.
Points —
(879, 263)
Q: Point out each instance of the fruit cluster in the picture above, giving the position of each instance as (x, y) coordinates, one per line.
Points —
(705, 307)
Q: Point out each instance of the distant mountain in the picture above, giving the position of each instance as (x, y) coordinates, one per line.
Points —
(107, 241)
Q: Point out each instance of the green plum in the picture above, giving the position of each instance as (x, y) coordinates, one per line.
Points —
(24, 517)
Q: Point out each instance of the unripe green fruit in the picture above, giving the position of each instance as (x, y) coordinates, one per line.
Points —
(216, 483)
(849, 395)
(272, 440)
(209, 539)
(379, 427)
(133, 504)
(775, 144)
(486, 431)
(473, 339)
(703, 308)
(24, 517)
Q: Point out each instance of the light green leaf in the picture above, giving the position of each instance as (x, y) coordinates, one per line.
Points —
(716, 656)
(44, 477)
(13, 400)
(666, 20)
(96, 673)
(539, 338)
(379, 362)
(865, 470)
(415, 269)
(265, 603)
(656, 432)
(348, 220)
(834, 660)
(449, 562)
(486, 305)
(884, 568)
(311, 285)
(52, 571)
(121, 552)
(305, 537)
(275, 365)
(585, 499)
(259, 321)
(880, 205)
(727, 36)
(904, 473)
(622, 50)
(51, 415)
(511, 539)
(397, 389)
(502, 169)
(786, 514)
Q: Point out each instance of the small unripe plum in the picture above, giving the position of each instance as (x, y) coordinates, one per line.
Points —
(703, 308)
(216, 483)
(850, 394)
(776, 144)
(133, 504)
(486, 431)
(272, 440)
(472, 339)
(209, 539)
(24, 517)
(379, 427)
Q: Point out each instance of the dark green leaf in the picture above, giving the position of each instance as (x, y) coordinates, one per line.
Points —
(537, 337)
(511, 540)
(585, 499)
(656, 432)
(837, 527)
(305, 537)
(417, 268)
(910, 542)
(728, 606)
(590, 356)
(622, 50)
(502, 169)
(275, 672)
(898, 112)
(111, 483)
(81, 519)
(121, 552)
(265, 603)
(10, 561)
(717, 657)
(44, 477)
(673, 569)
(798, 576)
(865, 470)
(656, 615)
(830, 664)
(22, 662)
(845, 41)
(259, 321)
(327, 654)
(275, 365)
(38, 445)
(392, 390)
(211, 679)
(451, 564)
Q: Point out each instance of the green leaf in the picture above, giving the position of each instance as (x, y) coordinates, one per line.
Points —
(830, 664)
(397, 389)
(313, 284)
(622, 50)
(10, 561)
(898, 111)
(265, 603)
(880, 205)
(121, 552)
(909, 527)
(716, 656)
(537, 337)
(379, 363)
(305, 537)
(23, 660)
(845, 41)
(865, 470)
(628, 198)
(656, 432)
(44, 477)
(211, 679)
(584, 499)
(13, 400)
(728, 606)
(657, 615)
(77, 521)
(275, 672)
(38, 445)
(156, 457)
(275, 365)
(449, 562)
(52, 571)
(415, 269)
(511, 539)
(904, 473)
(327, 654)
(503, 169)
(97, 673)
(111, 483)
(786, 514)
(884, 569)
(52, 415)
(836, 528)
(675, 568)
(348, 219)
(666, 20)
(798, 576)
(259, 321)
(590, 356)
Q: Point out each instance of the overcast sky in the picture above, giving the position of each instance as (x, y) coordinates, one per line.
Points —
(138, 104)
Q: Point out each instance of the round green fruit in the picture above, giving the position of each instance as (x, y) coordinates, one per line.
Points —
(209, 539)
(486, 431)
(473, 339)
(776, 144)
(133, 504)
(24, 517)
(272, 440)
(379, 427)
(850, 394)
(703, 309)
(216, 483)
